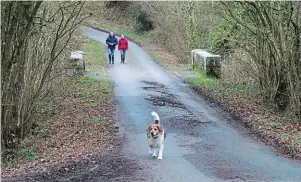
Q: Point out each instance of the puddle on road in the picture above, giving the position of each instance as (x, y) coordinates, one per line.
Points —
(159, 95)
(165, 100)
(175, 115)
(154, 84)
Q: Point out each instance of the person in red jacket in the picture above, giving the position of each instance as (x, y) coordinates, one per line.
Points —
(123, 46)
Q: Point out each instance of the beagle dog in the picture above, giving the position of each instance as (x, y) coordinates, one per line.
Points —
(156, 137)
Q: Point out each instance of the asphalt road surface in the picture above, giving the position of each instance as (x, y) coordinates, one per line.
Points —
(203, 143)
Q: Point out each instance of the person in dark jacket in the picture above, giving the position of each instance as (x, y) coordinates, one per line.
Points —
(123, 46)
(112, 42)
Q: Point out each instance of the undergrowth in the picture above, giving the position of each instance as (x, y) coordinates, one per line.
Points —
(221, 88)
(94, 91)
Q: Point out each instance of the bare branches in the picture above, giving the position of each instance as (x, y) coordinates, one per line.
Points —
(277, 47)
(31, 54)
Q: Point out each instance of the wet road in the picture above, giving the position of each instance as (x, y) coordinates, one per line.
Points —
(203, 144)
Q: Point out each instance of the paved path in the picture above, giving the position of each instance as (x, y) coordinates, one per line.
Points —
(203, 144)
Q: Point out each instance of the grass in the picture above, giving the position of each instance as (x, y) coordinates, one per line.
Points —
(297, 139)
(273, 124)
(284, 135)
(27, 152)
(161, 60)
(94, 59)
(93, 54)
(9, 163)
(212, 84)
(91, 103)
(36, 138)
(92, 93)
(207, 82)
(94, 69)
(46, 103)
(157, 57)
(86, 81)
(221, 87)
(97, 119)
(95, 90)
(15, 157)
(107, 85)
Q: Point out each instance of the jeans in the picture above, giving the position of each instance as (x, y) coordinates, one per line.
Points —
(122, 52)
(111, 51)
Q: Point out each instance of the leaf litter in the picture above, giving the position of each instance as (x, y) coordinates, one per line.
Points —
(82, 143)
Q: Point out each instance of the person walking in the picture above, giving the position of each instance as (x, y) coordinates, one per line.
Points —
(123, 46)
(112, 41)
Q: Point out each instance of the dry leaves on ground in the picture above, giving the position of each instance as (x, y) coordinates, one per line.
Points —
(79, 130)
(270, 126)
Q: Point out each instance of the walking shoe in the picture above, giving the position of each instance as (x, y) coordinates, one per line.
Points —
(122, 59)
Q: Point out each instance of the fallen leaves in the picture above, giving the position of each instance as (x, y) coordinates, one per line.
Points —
(72, 135)
(273, 128)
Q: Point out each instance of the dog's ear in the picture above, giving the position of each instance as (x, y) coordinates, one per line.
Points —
(160, 128)
(148, 128)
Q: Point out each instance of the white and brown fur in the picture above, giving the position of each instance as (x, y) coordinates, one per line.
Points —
(156, 137)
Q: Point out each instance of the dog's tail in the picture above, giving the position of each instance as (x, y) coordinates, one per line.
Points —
(156, 117)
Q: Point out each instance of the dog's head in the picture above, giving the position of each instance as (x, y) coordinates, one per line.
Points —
(154, 130)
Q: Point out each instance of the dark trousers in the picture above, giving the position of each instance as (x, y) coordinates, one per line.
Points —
(122, 52)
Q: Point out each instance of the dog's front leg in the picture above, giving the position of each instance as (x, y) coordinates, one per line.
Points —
(161, 152)
(155, 151)
(150, 151)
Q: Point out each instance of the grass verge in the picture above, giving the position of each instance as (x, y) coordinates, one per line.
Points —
(246, 104)
(221, 88)
(93, 55)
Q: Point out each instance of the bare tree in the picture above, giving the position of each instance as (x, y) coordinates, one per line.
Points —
(270, 33)
(34, 38)
(182, 25)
